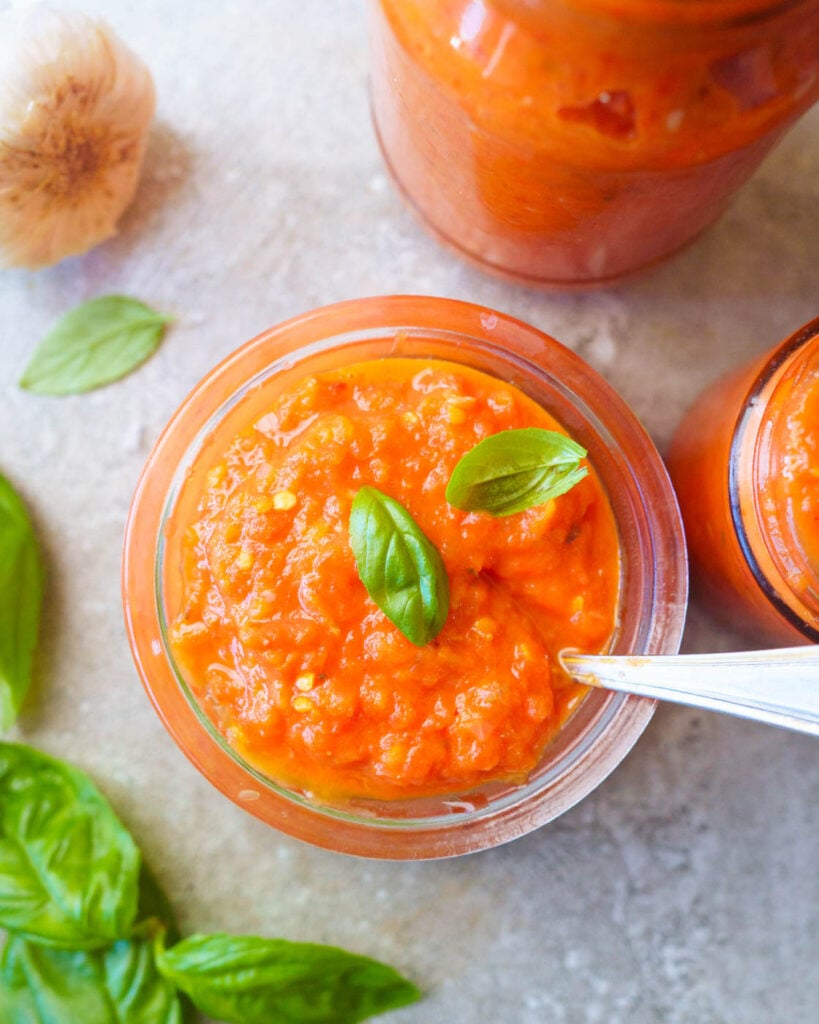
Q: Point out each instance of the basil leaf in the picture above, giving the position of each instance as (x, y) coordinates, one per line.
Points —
(400, 567)
(247, 980)
(49, 986)
(68, 867)
(139, 993)
(16, 1002)
(93, 344)
(21, 596)
(513, 470)
(120, 985)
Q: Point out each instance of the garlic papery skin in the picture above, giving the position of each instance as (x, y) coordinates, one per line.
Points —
(75, 107)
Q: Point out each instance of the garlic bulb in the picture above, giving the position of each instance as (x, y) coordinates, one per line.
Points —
(75, 106)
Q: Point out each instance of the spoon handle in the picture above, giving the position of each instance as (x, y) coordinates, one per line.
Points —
(780, 687)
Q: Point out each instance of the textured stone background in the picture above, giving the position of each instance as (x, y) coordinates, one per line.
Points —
(685, 890)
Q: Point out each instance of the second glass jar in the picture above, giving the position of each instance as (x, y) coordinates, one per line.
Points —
(745, 464)
(573, 141)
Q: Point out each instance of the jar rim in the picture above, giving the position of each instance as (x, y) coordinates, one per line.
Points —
(742, 438)
(617, 720)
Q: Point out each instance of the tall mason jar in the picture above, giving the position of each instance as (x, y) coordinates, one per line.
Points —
(569, 142)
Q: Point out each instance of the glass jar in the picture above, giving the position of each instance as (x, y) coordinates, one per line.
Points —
(745, 463)
(653, 589)
(568, 142)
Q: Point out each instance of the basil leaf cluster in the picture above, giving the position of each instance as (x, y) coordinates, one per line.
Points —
(21, 598)
(89, 925)
(94, 344)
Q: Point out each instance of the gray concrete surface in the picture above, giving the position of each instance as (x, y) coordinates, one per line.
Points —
(685, 890)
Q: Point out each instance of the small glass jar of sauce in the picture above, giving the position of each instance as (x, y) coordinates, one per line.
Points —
(569, 142)
(745, 463)
(598, 728)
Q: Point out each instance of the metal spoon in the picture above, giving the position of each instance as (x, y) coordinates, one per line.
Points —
(780, 687)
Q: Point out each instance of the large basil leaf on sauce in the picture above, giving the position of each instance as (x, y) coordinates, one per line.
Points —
(21, 595)
(248, 980)
(93, 344)
(68, 868)
(400, 567)
(514, 470)
(119, 985)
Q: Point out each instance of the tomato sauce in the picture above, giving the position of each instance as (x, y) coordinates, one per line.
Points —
(788, 500)
(290, 658)
(798, 479)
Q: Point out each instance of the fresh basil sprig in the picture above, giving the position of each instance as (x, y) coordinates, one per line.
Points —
(514, 470)
(401, 568)
(249, 980)
(94, 344)
(87, 925)
(21, 595)
(69, 870)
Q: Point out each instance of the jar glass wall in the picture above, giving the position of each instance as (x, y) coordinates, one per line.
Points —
(653, 589)
(573, 141)
(745, 464)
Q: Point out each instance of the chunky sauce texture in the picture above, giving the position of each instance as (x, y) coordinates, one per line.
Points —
(294, 663)
(793, 488)
(805, 470)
